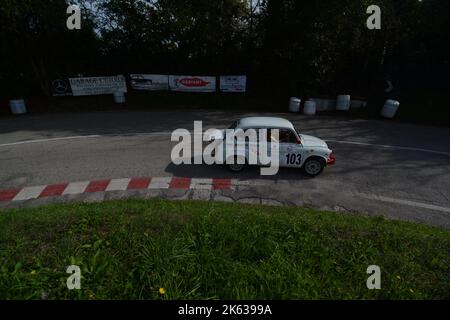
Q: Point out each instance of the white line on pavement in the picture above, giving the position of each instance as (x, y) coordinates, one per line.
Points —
(391, 147)
(404, 202)
(47, 140)
(85, 137)
(168, 133)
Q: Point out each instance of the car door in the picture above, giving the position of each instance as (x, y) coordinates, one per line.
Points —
(251, 148)
(268, 146)
(291, 151)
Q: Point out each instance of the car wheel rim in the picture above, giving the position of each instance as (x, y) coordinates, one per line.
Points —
(313, 167)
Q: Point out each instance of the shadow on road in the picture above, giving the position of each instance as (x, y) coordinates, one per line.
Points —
(221, 171)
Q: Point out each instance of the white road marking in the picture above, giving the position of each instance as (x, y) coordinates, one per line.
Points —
(404, 202)
(84, 137)
(28, 193)
(391, 147)
(76, 187)
(201, 184)
(169, 133)
(48, 140)
(118, 184)
(160, 183)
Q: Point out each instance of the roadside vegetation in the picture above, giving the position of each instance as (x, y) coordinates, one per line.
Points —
(159, 249)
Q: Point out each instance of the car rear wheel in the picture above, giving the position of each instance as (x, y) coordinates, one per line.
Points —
(313, 166)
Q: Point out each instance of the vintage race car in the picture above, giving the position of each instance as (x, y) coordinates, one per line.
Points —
(295, 149)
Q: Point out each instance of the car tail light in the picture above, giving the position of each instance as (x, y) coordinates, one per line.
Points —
(331, 159)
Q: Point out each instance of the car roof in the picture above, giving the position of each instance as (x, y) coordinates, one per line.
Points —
(264, 122)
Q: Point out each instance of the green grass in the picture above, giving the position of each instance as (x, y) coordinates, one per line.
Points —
(206, 250)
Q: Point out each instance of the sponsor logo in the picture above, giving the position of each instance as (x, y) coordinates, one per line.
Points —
(60, 86)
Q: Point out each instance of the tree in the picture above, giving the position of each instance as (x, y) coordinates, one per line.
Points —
(36, 45)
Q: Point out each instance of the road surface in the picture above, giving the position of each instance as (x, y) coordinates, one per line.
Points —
(393, 169)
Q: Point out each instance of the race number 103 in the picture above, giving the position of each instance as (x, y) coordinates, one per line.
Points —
(244, 309)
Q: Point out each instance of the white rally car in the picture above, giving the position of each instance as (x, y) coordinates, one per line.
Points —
(295, 150)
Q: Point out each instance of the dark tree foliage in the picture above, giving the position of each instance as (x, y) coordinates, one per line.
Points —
(285, 46)
(36, 46)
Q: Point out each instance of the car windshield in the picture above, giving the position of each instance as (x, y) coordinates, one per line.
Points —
(298, 131)
(234, 125)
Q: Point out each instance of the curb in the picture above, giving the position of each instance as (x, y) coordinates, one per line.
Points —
(123, 184)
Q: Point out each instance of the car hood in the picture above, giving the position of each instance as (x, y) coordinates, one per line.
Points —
(310, 141)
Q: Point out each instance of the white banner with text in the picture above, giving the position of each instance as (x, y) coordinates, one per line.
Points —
(98, 85)
(150, 82)
(233, 83)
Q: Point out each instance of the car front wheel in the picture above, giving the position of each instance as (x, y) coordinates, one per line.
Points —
(313, 166)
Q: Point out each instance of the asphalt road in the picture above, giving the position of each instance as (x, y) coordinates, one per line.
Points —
(394, 169)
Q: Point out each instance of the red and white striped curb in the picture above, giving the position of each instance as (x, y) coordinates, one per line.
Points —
(74, 188)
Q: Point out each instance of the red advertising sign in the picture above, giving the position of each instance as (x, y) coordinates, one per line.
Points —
(192, 83)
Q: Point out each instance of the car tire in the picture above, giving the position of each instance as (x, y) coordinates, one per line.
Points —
(236, 167)
(314, 166)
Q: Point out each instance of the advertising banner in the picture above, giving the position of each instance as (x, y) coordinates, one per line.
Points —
(98, 85)
(233, 83)
(151, 82)
(192, 83)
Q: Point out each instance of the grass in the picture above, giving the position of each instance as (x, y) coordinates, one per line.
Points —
(204, 250)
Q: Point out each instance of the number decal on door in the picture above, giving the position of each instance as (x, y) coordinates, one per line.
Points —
(292, 158)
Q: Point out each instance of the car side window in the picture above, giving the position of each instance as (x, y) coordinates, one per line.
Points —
(270, 138)
(287, 136)
(233, 125)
